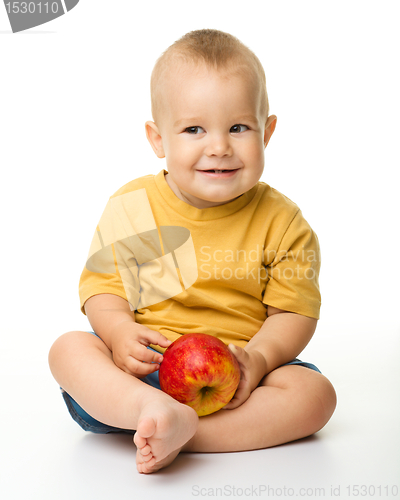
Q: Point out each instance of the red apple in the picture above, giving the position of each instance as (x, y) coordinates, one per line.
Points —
(200, 371)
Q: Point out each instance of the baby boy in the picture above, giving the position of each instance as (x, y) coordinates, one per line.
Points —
(202, 246)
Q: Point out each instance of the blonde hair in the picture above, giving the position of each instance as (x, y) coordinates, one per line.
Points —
(217, 50)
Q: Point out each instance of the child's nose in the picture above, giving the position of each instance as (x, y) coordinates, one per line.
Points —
(219, 145)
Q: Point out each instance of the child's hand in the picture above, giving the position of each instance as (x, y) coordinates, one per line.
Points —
(129, 348)
(243, 391)
(253, 368)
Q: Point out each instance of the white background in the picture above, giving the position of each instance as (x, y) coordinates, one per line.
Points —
(74, 96)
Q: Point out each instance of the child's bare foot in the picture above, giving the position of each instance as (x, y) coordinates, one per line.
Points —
(163, 429)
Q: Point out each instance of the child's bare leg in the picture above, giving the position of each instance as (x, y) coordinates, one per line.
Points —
(83, 366)
(293, 402)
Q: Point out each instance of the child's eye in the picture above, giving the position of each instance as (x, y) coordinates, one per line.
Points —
(194, 130)
(235, 129)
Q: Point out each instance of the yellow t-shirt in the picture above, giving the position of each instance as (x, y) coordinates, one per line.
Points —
(214, 270)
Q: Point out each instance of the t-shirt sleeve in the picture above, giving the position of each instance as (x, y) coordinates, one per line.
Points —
(100, 275)
(293, 270)
(125, 239)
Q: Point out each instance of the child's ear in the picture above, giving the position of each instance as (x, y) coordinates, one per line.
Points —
(154, 137)
(269, 129)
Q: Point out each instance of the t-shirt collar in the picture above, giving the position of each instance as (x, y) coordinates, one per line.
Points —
(194, 213)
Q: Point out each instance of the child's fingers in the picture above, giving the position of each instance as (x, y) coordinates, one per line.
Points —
(241, 395)
(155, 338)
(143, 354)
(233, 403)
(238, 352)
(138, 368)
(242, 357)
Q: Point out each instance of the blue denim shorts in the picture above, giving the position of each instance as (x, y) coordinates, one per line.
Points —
(88, 423)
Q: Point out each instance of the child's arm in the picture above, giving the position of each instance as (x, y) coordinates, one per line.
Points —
(281, 338)
(113, 321)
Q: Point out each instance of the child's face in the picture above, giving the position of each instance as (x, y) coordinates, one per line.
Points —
(212, 133)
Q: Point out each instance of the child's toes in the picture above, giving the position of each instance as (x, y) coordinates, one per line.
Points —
(146, 450)
(139, 441)
(144, 458)
(146, 467)
(147, 459)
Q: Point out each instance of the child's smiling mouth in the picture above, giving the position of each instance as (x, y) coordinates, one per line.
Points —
(219, 173)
